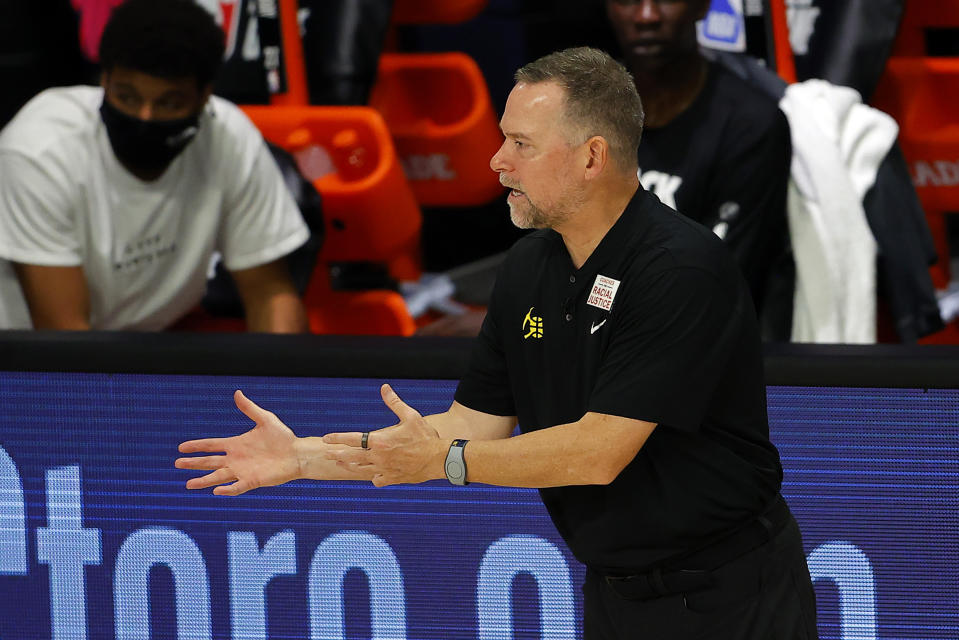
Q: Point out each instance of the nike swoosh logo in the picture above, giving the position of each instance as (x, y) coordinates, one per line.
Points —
(594, 328)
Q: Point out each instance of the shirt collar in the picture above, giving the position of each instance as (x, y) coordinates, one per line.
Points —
(612, 244)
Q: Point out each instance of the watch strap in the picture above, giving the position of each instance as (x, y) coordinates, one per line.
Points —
(455, 466)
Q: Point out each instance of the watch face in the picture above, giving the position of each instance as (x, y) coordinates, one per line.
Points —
(454, 471)
(455, 464)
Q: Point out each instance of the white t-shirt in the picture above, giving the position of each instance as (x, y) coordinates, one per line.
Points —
(145, 247)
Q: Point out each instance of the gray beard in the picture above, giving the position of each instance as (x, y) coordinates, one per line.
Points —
(531, 218)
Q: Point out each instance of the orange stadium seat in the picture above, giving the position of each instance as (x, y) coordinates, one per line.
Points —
(918, 16)
(438, 109)
(373, 312)
(371, 214)
(370, 312)
(921, 92)
(369, 210)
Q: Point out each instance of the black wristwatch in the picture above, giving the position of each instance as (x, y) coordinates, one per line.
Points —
(456, 463)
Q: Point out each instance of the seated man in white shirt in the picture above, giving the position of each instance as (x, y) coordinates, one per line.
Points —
(114, 198)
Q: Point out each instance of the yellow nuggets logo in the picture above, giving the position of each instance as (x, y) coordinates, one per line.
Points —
(534, 324)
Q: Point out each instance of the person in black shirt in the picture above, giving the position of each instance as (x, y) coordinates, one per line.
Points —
(622, 339)
(714, 148)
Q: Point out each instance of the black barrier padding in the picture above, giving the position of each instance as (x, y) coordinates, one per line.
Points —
(892, 365)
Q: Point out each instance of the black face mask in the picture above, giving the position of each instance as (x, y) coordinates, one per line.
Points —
(147, 145)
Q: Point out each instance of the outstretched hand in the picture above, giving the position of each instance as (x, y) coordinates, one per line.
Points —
(262, 457)
(410, 451)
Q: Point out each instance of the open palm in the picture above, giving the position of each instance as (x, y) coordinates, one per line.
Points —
(262, 457)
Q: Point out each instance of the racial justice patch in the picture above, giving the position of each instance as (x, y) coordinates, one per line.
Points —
(603, 292)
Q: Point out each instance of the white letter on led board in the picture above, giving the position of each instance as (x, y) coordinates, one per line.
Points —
(506, 558)
(333, 559)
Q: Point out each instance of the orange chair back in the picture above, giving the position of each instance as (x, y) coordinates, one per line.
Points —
(921, 94)
(438, 109)
(370, 212)
(919, 15)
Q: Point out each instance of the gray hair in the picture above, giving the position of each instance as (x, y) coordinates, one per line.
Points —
(601, 97)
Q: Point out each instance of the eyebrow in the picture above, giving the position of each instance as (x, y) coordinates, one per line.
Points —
(511, 134)
(169, 93)
(126, 86)
(174, 93)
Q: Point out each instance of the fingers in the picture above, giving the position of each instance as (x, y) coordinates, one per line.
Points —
(235, 489)
(215, 445)
(350, 456)
(402, 410)
(385, 480)
(350, 439)
(220, 476)
(200, 463)
(355, 438)
(368, 465)
(250, 409)
(205, 445)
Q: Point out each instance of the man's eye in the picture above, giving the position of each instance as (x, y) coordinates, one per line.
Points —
(170, 105)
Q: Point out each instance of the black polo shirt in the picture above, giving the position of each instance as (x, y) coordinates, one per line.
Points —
(657, 325)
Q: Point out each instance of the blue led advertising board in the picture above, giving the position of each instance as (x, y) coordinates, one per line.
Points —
(100, 539)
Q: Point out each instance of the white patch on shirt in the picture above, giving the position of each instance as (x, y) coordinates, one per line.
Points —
(603, 292)
(728, 211)
(721, 229)
(663, 185)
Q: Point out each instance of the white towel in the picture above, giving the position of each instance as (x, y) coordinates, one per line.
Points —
(838, 145)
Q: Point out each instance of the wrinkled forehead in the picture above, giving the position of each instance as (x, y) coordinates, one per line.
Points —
(534, 109)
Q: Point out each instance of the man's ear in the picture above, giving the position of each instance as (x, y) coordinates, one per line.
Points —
(597, 156)
(104, 78)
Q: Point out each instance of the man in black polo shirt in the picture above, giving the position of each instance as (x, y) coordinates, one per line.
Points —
(622, 338)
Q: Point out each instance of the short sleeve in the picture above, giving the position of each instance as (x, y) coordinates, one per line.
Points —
(37, 215)
(262, 221)
(486, 385)
(669, 348)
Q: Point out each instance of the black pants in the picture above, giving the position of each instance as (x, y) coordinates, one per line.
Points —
(765, 594)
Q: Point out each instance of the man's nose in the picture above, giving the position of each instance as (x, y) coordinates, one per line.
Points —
(145, 111)
(497, 163)
(646, 11)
